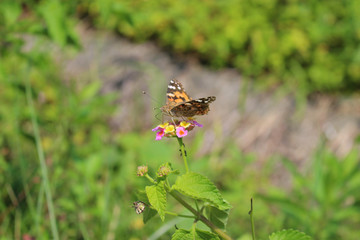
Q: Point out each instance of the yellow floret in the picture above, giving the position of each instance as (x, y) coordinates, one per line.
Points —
(169, 129)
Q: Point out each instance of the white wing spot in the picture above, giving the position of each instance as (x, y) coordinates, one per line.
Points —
(172, 87)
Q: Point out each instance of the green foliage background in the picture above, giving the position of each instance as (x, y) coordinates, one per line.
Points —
(311, 44)
(92, 169)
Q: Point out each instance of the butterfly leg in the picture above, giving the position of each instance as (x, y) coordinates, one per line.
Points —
(162, 118)
(172, 119)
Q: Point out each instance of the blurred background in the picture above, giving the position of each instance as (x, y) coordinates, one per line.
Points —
(74, 124)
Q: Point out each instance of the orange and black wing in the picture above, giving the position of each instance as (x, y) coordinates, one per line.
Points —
(193, 107)
(176, 94)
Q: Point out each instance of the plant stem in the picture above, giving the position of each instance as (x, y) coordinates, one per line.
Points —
(179, 215)
(44, 171)
(183, 153)
(150, 178)
(201, 217)
(193, 228)
(252, 219)
(197, 206)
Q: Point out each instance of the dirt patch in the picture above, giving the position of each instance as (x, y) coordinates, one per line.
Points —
(260, 122)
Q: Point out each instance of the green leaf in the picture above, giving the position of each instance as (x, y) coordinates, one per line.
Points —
(157, 198)
(295, 209)
(148, 212)
(201, 234)
(53, 13)
(11, 11)
(200, 187)
(90, 90)
(289, 234)
(182, 234)
(217, 217)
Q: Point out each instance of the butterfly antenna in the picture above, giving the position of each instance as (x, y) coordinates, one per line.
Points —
(147, 94)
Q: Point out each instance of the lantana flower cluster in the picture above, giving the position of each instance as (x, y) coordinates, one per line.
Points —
(175, 129)
(142, 171)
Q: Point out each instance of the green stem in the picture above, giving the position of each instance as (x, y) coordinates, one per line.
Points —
(44, 171)
(201, 217)
(183, 154)
(193, 228)
(197, 206)
(168, 183)
(150, 178)
(252, 219)
(179, 215)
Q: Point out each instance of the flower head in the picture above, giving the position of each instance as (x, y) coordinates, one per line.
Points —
(142, 170)
(175, 128)
(163, 171)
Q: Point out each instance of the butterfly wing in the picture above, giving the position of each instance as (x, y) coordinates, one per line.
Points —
(180, 104)
(193, 107)
(176, 94)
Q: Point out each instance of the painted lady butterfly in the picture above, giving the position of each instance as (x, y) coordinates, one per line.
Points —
(179, 104)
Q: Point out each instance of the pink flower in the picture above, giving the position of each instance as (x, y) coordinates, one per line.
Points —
(155, 129)
(175, 128)
(160, 134)
(196, 123)
(181, 132)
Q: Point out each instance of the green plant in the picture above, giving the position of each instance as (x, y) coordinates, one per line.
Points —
(324, 200)
(89, 165)
(194, 191)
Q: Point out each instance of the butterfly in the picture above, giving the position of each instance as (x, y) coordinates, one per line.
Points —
(139, 206)
(180, 104)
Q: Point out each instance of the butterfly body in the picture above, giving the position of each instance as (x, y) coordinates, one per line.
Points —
(180, 104)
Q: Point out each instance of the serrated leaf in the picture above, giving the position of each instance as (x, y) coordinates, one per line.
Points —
(182, 234)
(148, 214)
(200, 187)
(200, 234)
(141, 196)
(157, 198)
(289, 234)
(217, 217)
